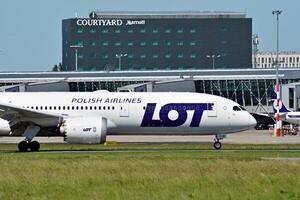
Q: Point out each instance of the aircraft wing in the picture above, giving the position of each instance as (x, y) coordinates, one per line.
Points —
(15, 114)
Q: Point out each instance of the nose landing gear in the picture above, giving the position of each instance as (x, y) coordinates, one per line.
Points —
(217, 144)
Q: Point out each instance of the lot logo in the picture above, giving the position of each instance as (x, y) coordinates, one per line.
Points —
(86, 129)
(180, 108)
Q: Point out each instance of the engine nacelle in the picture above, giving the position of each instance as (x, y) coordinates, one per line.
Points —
(4, 128)
(84, 130)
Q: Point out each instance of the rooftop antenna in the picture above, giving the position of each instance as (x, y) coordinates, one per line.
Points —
(76, 16)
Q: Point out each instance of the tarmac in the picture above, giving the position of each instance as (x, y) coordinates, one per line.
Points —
(245, 137)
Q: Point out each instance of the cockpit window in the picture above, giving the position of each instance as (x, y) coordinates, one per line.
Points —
(236, 108)
(241, 107)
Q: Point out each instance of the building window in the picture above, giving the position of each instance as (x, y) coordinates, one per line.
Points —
(180, 43)
(223, 42)
(118, 43)
(105, 43)
(168, 42)
(143, 56)
(93, 43)
(154, 30)
(193, 43)
(168, 55)
(168, 30)
(192, 30)
(224, 29)
(117, 30)
(143, 67)
(155, 43)
(193, 55)
(104, 30)
(130, 30)
(80, 42)
(180, 30)
(92, 55)
(130, 55)
(180, 67)
(104, 55)
(79, 29)
(80, 55)
(130, 43)
(130, 67)
(143, 43)
(180, 55)
(155, 56)
(143, 30)
(92, 29)
(168, 67)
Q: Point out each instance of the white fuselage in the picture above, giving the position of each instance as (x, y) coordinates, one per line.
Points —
(138, 113)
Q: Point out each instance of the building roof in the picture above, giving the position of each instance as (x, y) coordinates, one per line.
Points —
(167, 14)
(155, 75)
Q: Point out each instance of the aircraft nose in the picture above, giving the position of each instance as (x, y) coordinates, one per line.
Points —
(252, 121)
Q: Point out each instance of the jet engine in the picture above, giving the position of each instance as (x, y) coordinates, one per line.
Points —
(84, 130)
(4, 128)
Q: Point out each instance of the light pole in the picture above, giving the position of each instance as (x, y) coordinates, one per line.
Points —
(213, 57)
(277, 132)
(119, 56)
(76, 55)
(255, 42)
(277, 13)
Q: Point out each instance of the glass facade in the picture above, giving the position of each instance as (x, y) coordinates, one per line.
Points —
(187, 41)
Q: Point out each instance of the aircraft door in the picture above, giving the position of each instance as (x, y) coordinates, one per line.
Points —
(212, 111)
(124, 110)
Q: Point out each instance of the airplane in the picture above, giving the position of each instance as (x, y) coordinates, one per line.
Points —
(88, 117)
(285, 114)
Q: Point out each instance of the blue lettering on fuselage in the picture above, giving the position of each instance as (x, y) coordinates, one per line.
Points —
(180, 108)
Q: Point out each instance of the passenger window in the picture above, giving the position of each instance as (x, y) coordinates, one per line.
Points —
(72, 107)
(91, 107)
(95, 107)
(236, 108)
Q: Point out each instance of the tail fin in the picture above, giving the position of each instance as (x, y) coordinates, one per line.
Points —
(283, 109)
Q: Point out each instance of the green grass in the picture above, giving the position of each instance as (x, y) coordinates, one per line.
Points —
(166, 174)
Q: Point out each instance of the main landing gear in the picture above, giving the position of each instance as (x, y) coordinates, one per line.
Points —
(32, 145)
(30, 132)
(217, 143)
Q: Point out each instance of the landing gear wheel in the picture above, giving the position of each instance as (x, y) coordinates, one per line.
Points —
(23, 146)
(217, 145)
(34, 146)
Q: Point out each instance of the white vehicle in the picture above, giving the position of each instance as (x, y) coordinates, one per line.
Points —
(88, 117)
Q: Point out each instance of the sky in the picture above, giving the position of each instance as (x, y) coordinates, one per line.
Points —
(30, 31)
